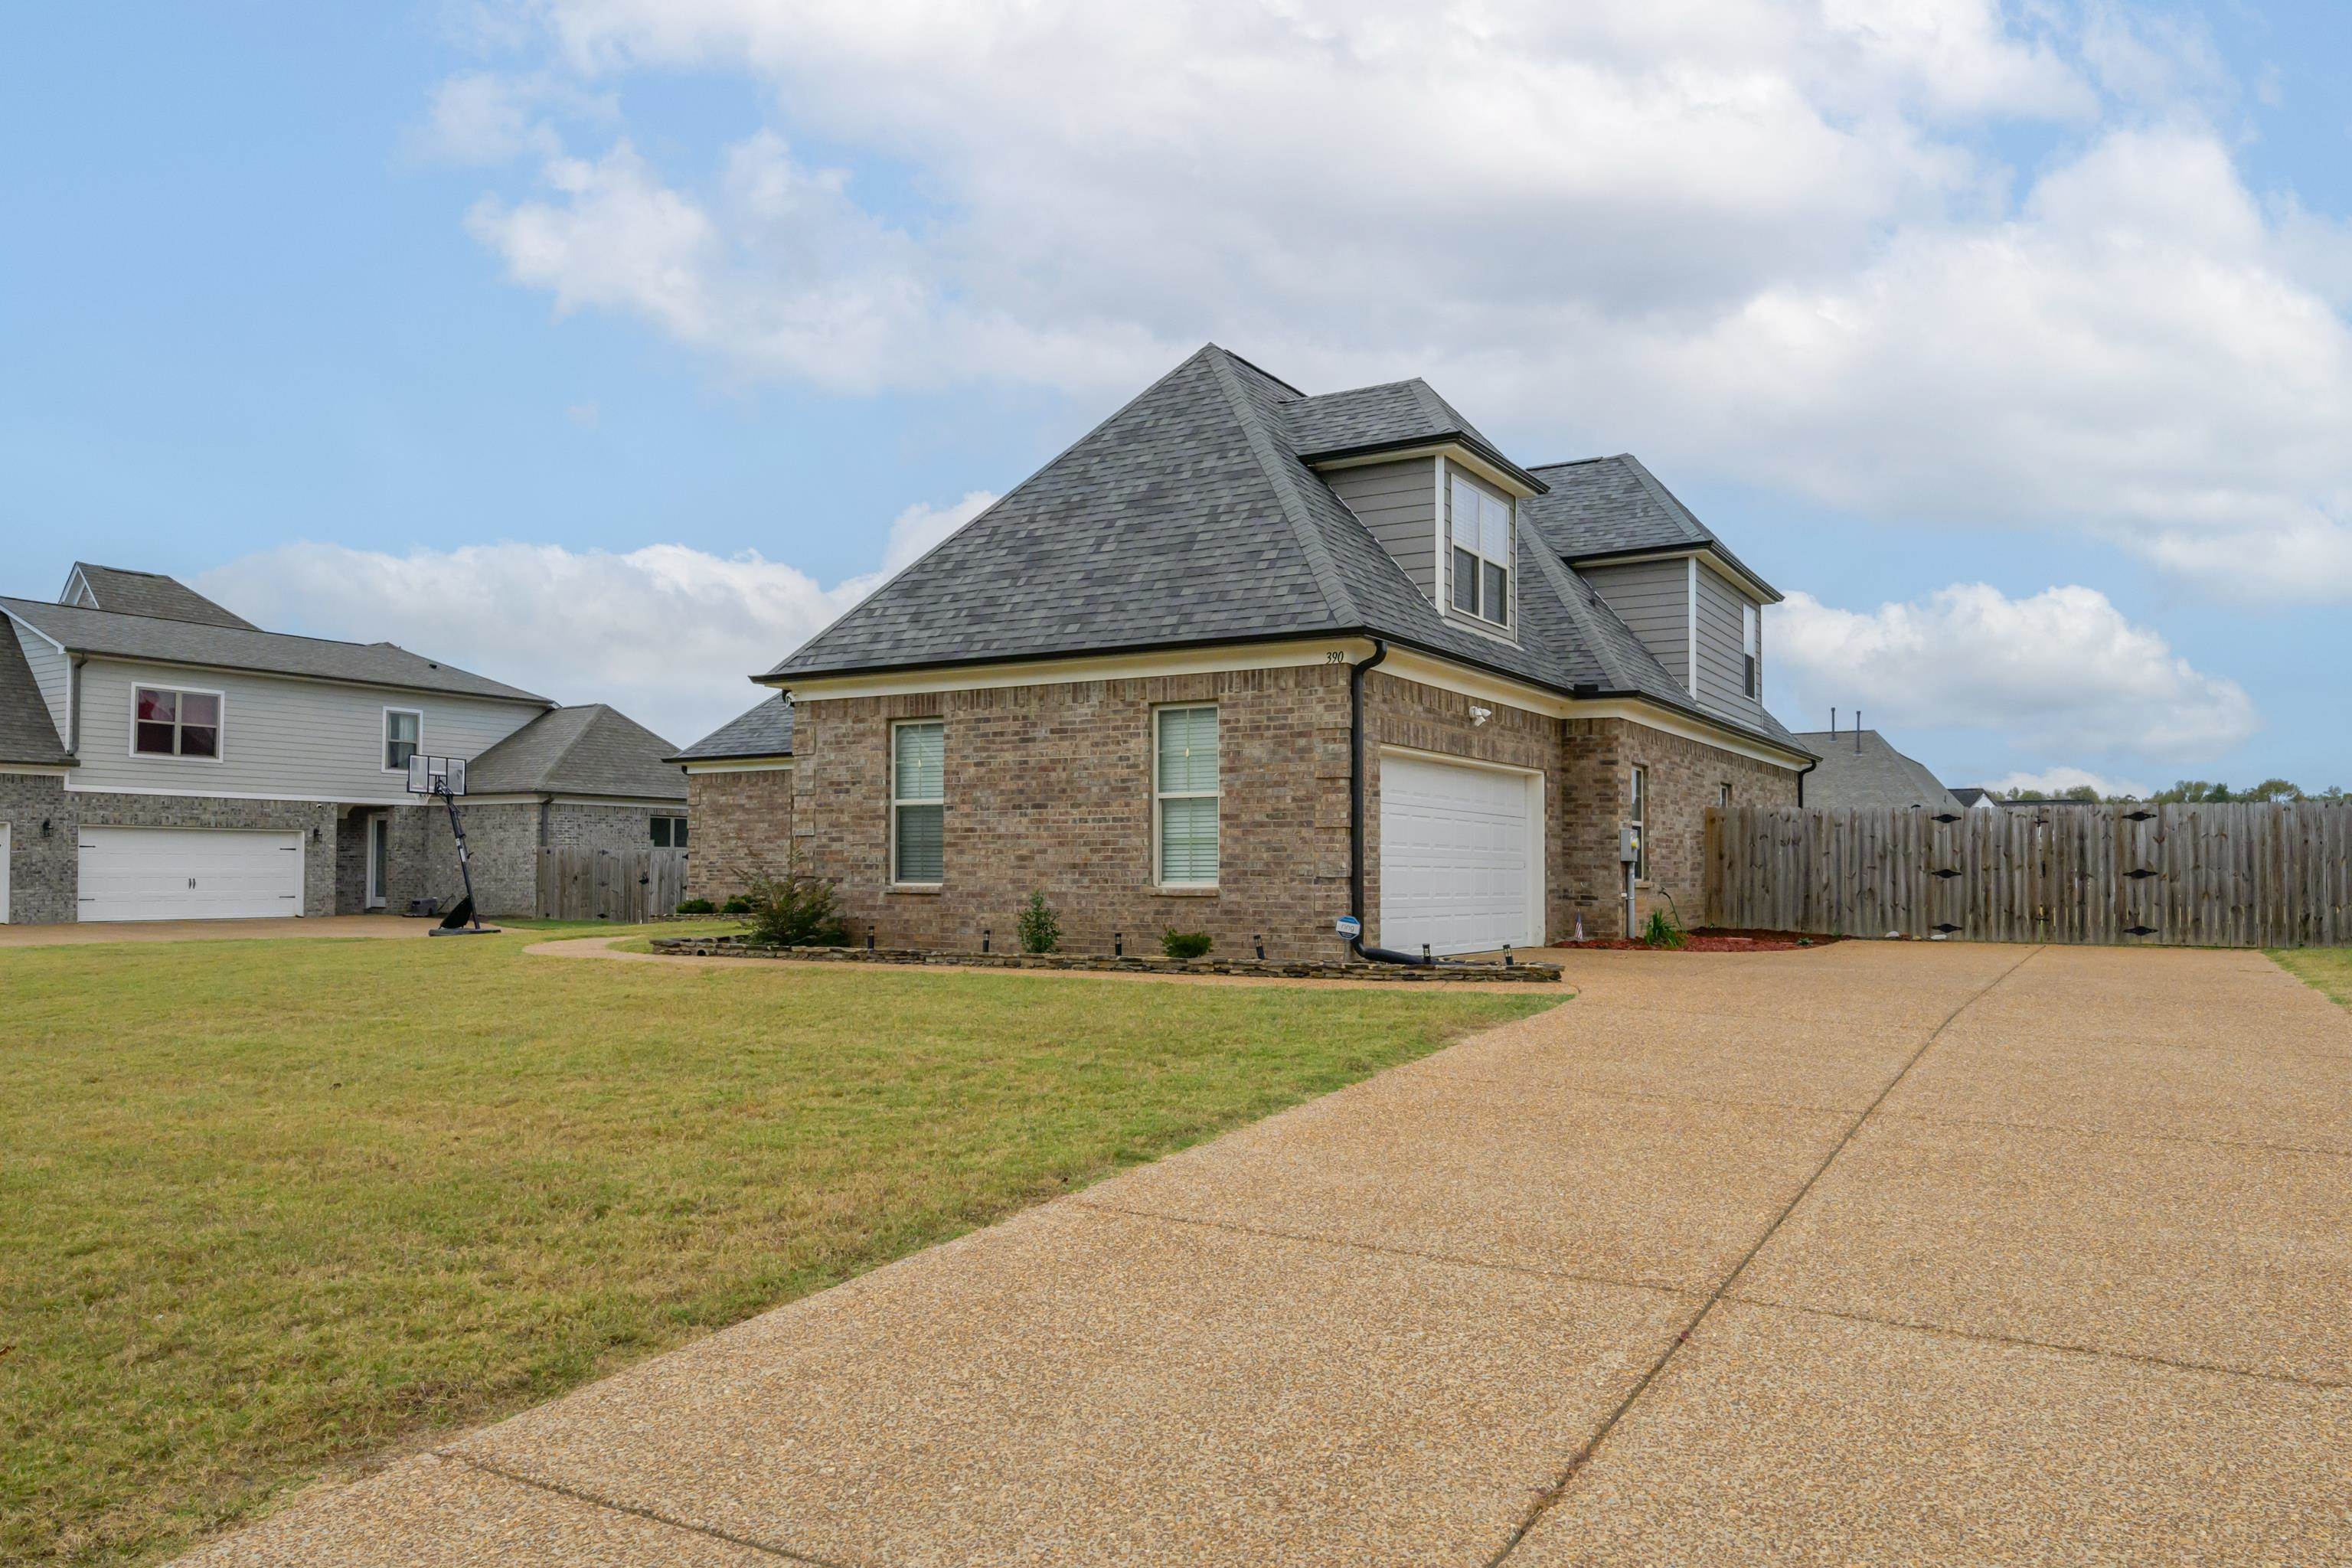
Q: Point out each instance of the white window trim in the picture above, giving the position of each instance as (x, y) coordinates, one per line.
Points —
(1158, 797)
(1751, 647)
(383, 742)
(1505, 629)
(897, 801)
(1637, 818)
(220, 736)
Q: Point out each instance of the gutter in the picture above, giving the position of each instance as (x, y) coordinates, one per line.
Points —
(1809, 767)
(1356, 674)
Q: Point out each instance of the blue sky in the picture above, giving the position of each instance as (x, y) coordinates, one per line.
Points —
(721, 310)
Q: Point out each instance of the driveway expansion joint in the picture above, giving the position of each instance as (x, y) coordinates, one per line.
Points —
(1449, 1258)
(1657, 1367)
(1940, 1330)
(556, 1489)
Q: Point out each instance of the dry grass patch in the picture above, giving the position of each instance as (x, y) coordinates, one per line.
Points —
(269, 1208)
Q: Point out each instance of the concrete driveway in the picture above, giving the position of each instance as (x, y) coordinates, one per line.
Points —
(1868, 1254)
(81, 933)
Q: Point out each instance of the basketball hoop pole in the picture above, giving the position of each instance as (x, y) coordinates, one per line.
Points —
(465, 862)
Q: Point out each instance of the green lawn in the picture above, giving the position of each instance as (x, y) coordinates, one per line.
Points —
(2328, 968)
(270, 1209)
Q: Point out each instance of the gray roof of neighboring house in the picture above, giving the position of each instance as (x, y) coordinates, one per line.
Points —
(26, 734)
(1972, 794)
(1874, 777)
(587, 750)
(1189, 516)
(765, 732)
(1603, 507)
(129, 593)
(121, 635)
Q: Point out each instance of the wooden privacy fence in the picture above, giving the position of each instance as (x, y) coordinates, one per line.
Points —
(2237, 875)
(626, 885)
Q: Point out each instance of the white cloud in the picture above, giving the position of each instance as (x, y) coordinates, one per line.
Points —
(2061, 671)
(1747, 238)
(2058, 781)
(667, 634)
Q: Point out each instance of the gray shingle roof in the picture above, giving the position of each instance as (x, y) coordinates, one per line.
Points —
(124, 636)
(1189, 516)
(1873, 776)
(130, 592)
(26, 733)
(765, 732)
(1601, 506)
(1373, 418)
(587, 750)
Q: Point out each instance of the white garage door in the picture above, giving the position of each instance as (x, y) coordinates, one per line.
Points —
(1458, 857)
(189, 874)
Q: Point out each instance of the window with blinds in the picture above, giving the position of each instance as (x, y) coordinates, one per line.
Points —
(1482, 553)
(1185, 795)
(919, 803)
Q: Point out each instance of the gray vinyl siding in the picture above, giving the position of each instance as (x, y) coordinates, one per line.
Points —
(1722, 662)
(53, 673)
(280, 738)
(1398, 503)
(1653, 598)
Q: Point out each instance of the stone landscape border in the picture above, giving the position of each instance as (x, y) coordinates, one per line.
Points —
(1274, 968)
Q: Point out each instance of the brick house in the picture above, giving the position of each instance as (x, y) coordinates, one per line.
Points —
(163, 757)
(1245, 660)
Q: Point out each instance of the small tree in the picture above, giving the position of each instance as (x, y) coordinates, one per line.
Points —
(795, 911)
(1186, 944)
(1040, 929)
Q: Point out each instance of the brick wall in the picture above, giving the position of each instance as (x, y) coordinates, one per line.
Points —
(42, 871)
(1048, 787)
(1685, 777)
(741, 827)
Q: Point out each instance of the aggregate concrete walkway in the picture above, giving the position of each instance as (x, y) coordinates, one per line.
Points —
(1869, 1254)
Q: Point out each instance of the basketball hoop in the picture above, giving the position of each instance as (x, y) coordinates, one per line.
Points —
(437, 776)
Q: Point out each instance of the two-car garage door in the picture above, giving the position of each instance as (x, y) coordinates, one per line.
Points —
(1461, 857)
(189, 874)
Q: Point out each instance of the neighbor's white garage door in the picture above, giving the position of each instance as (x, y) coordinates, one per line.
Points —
(189, 874)
(1458, 857)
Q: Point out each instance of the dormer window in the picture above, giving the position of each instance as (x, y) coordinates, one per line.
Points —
(1482, 553)
(1749, 646)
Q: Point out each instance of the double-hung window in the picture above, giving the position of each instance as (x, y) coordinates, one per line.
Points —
(168, 723)
(1185, 792)
(403, 728)
(1749, 646)
(919, 803)
(1637, 808)
(1482, 553)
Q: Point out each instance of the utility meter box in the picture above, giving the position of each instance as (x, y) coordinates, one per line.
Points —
(1628, 845)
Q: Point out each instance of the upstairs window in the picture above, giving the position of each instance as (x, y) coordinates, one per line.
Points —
(403, 728)
(1185, 795)
(168, 723)
(919, 803)
(1482, 553)
(1748, 644)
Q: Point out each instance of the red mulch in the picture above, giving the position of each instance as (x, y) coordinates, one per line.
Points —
(1712, 940)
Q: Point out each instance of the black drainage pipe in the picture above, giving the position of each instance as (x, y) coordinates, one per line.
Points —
(1355, 809)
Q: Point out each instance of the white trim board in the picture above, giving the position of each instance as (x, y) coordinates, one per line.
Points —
(1449, 451)
(749, 766)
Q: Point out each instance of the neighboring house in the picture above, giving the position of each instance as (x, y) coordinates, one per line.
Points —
(1977, 799)
(1861, 770)
(739, 781)
(162, 757)
(1132, 684)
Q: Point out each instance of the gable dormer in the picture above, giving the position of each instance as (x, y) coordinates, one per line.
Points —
(1440, 500)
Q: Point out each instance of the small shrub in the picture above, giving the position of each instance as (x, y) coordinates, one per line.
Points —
(737, 905)
(697, 907)
(1186, 944)
(1661, 932)
(1039, 928)
(794, 911)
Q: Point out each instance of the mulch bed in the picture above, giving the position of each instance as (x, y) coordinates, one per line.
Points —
(1273, 968)
(1711, 941)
